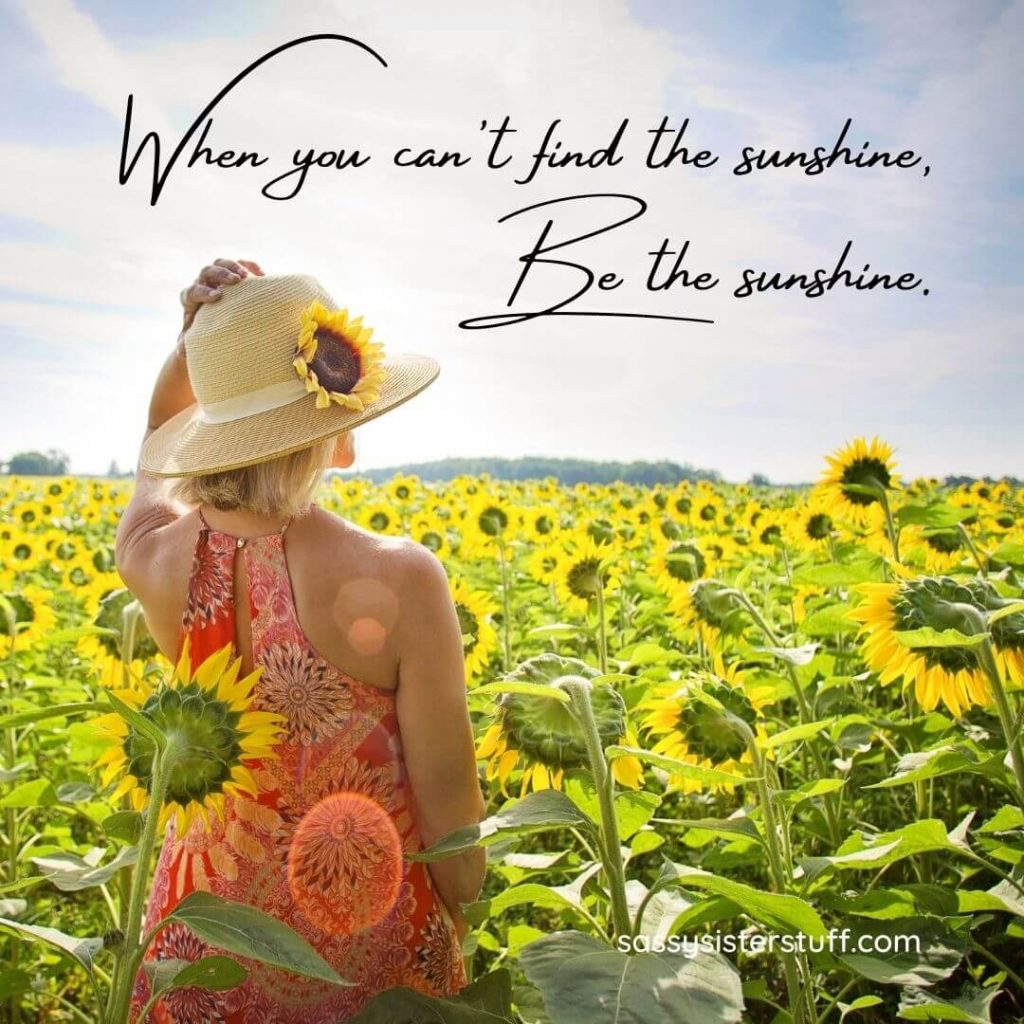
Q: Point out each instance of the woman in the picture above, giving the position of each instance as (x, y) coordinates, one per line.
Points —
(357, 636)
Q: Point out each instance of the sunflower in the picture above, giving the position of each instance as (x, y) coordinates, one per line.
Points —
(809, 525)
(706, 608)
(708, 510)
(403, 489)
(380, 518)
(935, 550)
(586, 569)
(541, 736)
(336, 359)
(429, 531)
(540, 523)
(211, 731)
(953, 675)
(543, 563)
(861, 464)
(32, 617)
(694, 730)
(677, 564)
(479, 637)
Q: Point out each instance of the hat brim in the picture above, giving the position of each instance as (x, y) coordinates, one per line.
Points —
(187, 445)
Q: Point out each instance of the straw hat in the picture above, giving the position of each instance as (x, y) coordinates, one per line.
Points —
(277, 367)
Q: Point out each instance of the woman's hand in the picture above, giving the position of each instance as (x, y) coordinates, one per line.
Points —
(208, 284)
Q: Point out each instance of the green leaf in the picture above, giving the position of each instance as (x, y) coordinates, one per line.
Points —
(66, 636)
(559, 631)
(923, 951)
(530, 689)
(535, 812)
(856, 852)
(140, 723)
(37, 793)
(835, 574)
(488, 1000)
(725, 828)
(81, 950)
(213, 973)
(241, 929)
(972, 1006)
(553, 897)
(1007, 818)
(126, 825)
(805, 731)
(782, 913)
(830, 621)
(584, 981)
(21, 718)
(795, 656)
(936, 514)
(633, 808)
(809, 790)
(709, 776)
(951, 759)
(14, 982)
(860, 1003)
(925, 636)
(70, 873)
(1014, 608)
(1009, 553)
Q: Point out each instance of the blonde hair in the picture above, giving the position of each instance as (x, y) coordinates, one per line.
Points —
(281, 486)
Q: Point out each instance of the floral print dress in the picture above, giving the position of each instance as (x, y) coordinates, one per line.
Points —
(341, 738)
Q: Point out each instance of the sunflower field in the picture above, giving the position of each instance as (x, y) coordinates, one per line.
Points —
(751, 754)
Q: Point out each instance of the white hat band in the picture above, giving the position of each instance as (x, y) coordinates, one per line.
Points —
(274, 396)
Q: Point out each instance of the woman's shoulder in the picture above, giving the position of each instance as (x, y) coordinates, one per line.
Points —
(353, 550)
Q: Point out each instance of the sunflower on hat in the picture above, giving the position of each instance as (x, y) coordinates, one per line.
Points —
(337, 360)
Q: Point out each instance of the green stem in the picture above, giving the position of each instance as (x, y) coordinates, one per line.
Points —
(988, 661)
(982, 568)
(131, 950)
(890, 526)
(506, 615)
(804, 710)
(776, 865)
(610, 846)
(998, 964)
(602, 639)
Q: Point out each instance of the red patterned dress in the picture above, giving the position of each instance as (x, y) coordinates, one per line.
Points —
(341, 737)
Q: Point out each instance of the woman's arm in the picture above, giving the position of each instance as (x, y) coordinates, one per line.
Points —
(151, 506)
(437, 734)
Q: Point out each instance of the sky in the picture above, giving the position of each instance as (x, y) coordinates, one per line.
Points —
(91, 271)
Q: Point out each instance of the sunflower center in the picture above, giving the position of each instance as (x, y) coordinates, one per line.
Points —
(945, 542)
(337, 363)
(867, 472)
(819, 526)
